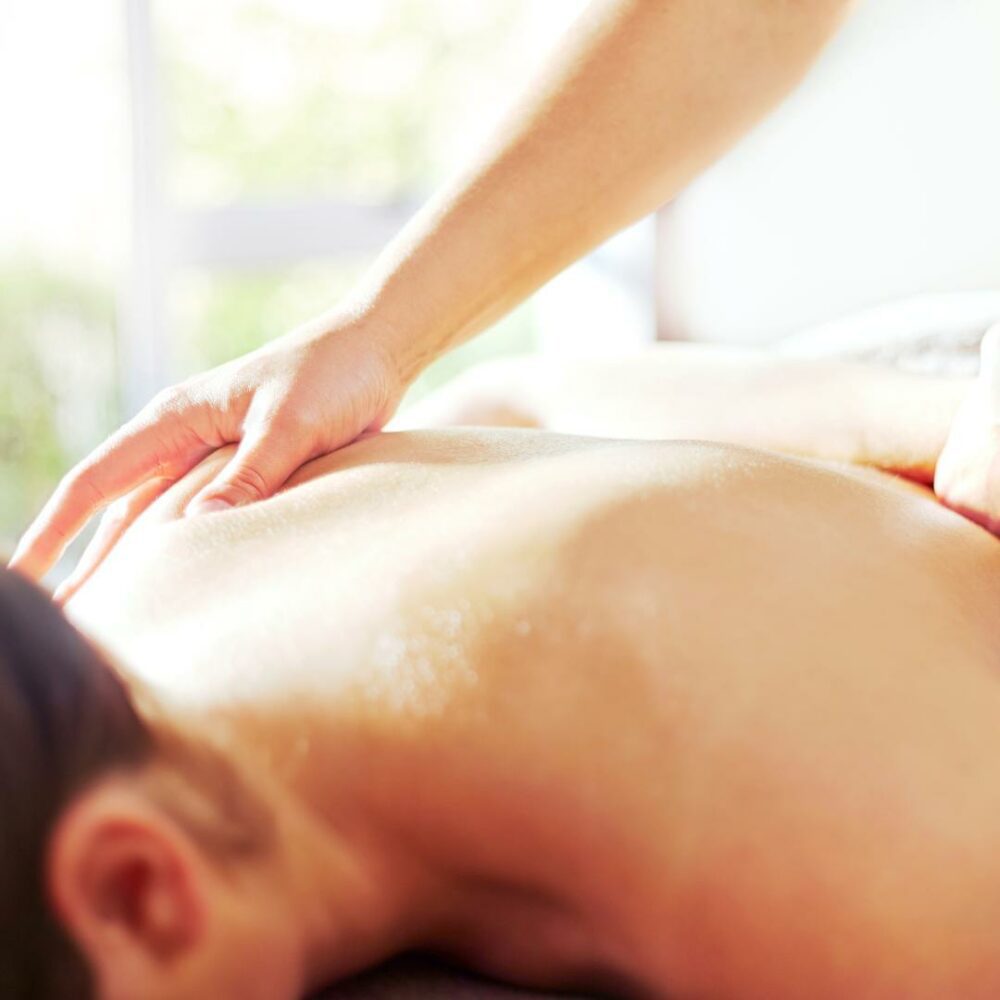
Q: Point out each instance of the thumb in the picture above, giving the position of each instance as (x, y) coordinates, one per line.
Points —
(258, 469)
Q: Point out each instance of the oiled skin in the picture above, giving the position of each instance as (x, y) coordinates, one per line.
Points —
(701, 720)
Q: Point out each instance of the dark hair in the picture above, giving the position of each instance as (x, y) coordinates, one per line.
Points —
(66, 719)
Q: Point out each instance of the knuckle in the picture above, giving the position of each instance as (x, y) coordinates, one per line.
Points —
(53, 535)
(161, 400)
(167, 402)
(285, 420)
(248, 482)
(82, 485)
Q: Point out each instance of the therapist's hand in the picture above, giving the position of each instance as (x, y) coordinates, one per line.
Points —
(298, 397)
(968, 471)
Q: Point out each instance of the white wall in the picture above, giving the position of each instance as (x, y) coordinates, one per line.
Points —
(879, 178)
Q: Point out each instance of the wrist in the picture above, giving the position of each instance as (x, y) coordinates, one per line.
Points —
(346, 336)
(405, 342)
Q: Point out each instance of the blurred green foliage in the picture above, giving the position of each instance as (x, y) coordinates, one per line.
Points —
(217, 317)
(220, 317)
(57, 359)
(371, 101)
(264, 99)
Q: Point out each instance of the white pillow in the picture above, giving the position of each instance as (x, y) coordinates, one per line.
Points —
(929, 333)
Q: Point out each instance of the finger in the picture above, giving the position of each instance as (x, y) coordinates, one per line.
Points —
(116, 521)
(258, 469)
(130, 456)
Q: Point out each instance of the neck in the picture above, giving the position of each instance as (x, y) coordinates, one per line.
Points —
(347, 895)
(366, 877)
(334, 889)
(352, 872)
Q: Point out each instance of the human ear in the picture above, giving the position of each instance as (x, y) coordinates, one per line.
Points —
(124, 880)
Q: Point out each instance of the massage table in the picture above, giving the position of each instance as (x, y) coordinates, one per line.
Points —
(424, 979)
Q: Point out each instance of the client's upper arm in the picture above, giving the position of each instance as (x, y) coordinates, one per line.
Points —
(823, 409)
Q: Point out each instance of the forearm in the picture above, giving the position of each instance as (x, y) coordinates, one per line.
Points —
(862, 414)
(639, 99)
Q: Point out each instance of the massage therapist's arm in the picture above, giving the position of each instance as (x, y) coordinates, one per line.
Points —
(846, 412)
(641, 96)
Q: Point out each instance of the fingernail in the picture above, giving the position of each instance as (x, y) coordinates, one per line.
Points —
(207, 507)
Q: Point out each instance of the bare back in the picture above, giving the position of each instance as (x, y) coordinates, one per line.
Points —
(735, 713)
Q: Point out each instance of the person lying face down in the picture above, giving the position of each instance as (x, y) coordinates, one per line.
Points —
(651, 718)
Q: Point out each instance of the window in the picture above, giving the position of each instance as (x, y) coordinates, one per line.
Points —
(62, 226)
(317, 128)
(191, 180)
